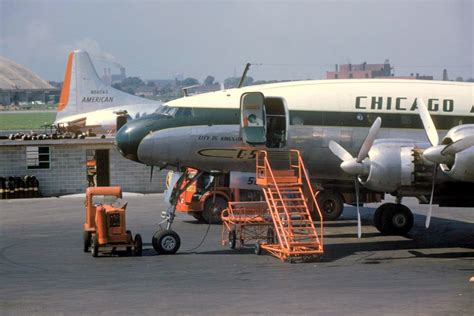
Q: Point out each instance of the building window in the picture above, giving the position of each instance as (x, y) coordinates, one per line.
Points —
(37, 157)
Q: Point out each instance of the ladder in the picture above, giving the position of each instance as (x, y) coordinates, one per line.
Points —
(290, 198)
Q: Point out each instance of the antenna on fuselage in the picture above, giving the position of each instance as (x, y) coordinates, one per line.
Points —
(185, 89)
(247, 67)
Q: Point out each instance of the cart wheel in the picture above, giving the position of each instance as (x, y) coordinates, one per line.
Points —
(137, 250)
(232, 239)
(166, 242)
(86, 236)
(271, 236)
(94, 246)
(258, 249)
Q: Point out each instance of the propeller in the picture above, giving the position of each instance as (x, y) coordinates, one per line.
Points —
(433, 153)
(357, 166)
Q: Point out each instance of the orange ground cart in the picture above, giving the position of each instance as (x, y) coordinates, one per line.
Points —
(245, 222)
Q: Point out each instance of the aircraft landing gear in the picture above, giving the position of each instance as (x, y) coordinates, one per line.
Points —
(167, 241)
(393, 219)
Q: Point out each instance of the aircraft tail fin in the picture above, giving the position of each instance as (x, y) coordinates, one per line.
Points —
(83, 91)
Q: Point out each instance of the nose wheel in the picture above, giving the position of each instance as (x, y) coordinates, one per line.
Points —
(166, 242)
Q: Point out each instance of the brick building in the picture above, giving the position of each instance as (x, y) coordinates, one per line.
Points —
(366, 71)
(361, 71)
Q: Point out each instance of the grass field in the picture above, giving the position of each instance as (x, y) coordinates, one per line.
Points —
(25, 120)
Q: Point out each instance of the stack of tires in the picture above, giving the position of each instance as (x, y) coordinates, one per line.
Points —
(19, 187)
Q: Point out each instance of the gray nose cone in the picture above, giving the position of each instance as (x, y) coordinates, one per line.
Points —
(434, 154)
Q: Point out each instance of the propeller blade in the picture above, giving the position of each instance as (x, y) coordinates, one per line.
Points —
(427, 121)
(369, 140)
(339, 151)
(460, 145)
(359, 225)
(428, 216)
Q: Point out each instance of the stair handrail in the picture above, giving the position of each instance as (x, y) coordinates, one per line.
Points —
(296, 166)
(266, 167)
(313, 195)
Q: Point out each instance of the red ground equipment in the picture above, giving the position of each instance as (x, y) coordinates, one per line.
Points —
(205, 200)
(198, 200)
(105, 229)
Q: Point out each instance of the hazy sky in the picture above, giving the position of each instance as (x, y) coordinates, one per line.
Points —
(291, 39)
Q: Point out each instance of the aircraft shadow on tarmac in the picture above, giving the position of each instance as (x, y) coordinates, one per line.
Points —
(443, 234)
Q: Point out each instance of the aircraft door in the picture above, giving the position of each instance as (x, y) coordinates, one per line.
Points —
(277, 120)
(252, 118)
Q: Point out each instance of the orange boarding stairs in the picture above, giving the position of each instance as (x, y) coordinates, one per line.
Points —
(290, 197)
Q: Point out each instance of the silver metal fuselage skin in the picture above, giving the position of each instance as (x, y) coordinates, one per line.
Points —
(220, 147)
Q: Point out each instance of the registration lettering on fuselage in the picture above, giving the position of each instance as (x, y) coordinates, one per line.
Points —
(230, 153)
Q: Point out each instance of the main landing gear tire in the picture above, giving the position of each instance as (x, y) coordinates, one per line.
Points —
(393, 219)
(166, 242)
(331, 205)
(197, 215)
(212, 211)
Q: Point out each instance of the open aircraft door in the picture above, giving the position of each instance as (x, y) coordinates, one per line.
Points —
(252, 118)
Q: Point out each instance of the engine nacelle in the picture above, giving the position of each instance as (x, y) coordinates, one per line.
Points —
(397, 166)
(462, 169)
(457, 133)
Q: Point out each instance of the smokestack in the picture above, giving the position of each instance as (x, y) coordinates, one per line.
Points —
(337, 68)
(122, 72)
(445, 75)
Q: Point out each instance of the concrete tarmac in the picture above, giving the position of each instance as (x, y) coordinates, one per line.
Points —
(43, 270)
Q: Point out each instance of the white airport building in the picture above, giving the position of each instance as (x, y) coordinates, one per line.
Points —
(63, 166)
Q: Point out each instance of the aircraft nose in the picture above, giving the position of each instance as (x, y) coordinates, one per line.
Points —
(127, 140)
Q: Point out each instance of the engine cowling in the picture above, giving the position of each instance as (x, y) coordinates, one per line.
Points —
(463, 167)
(397, 167)
(456, 160)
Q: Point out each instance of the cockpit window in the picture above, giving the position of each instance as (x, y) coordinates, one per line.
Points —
(174, 111)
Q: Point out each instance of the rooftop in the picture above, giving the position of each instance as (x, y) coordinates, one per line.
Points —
(16, 77)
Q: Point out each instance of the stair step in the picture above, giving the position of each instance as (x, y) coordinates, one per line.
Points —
(293, 217)
(300, 244)
(292, 199)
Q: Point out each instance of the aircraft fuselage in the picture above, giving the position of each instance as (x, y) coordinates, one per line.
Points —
(203, 131)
